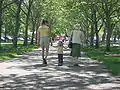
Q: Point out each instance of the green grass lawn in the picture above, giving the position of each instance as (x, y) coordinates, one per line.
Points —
(112, 62)
(7, 51)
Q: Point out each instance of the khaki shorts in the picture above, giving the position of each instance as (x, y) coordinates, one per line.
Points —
(44, 40)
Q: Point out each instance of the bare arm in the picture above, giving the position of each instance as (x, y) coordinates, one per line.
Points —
(65, 47)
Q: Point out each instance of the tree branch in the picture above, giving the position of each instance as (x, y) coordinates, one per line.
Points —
(23, 11)
(100, 27)
(7, 5)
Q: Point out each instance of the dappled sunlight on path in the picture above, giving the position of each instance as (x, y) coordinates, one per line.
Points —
(26, 72)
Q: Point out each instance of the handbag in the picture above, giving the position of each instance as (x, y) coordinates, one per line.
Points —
(70, 41)
(70, 44)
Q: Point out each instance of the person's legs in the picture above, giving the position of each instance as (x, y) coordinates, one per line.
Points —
(47, 50)
(42, 46)
(46, 42)
(43, 50)
(60, 59)
(75, 63)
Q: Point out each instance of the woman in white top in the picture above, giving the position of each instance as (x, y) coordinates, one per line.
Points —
(77, 37)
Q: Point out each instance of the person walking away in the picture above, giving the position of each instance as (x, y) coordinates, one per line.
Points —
(44, 35)
(60, 49)
(77, 37)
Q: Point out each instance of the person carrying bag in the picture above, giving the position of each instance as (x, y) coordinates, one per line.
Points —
(77, 39)
(70, 41)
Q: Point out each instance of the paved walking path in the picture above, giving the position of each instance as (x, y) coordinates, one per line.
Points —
(25, 72)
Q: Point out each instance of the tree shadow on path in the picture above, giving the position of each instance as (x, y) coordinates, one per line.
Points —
(26, 72)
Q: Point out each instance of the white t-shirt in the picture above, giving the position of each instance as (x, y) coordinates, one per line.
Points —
(77, 37)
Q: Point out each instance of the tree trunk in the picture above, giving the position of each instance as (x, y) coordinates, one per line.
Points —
(17, 24)
(97, 40)
(109, 31)
(108, 26)
(115, 37)
(97, 36)
(118, 35)
(33, 32)
(1, 3)
(37, 26)
(27, 23)
(96, 29)
(104, 34)
(92, 31)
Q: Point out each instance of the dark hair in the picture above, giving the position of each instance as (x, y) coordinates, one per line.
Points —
(60, 43)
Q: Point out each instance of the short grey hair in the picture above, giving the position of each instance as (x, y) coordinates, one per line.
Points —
(77, 27)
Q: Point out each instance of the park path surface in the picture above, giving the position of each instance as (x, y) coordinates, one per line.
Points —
(26, 72)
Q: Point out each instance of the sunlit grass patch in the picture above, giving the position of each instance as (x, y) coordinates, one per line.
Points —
(8, 51)
(112, 62)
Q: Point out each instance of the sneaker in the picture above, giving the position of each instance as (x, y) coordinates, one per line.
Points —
(44, 61)
(76, 64)
(59, 64)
